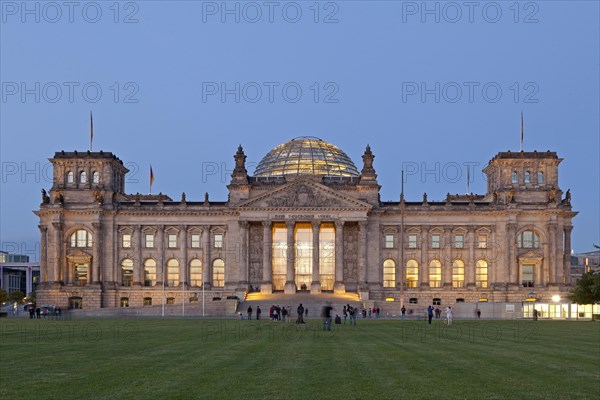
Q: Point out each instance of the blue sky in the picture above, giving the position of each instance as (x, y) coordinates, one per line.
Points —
(179, 84)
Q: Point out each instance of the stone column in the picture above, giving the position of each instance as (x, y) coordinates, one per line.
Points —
(339, 286)
(138, 264)
(552, 279)
(446, 258)
(315, 286)
(161, 271)
(58, 274)
(183, 267)
(206, 264)
(96, 266)
(513, 269)
(44, 273)
(566, 267)
(290, 284)
(267, 282)
(400, 280)
(362, 255)
(472, 241)
(243, 276)
(424, 266)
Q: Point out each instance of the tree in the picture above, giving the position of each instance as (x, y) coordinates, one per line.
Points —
(3, 296)
(16, 296)
(587, 289)
(31, 298)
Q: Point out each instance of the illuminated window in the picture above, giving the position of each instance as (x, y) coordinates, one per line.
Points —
(389, 241)
(514, 177)
(412, 241)
(195, 241)
(127, 272)
(303, 261)
(413, 300)
(172, 243)
(218, 273)
(458, 274)
(412, 273)
(95, 177)
(327, 256)
(147, 301)
(481, 274)
(82, 177)
(459, 241)
(195, 272)
(70, 177)
(80, 274)
(172, 272)
(527, 275)
(170, 300)
(126, 241)
(435, 241)
(124, 301)
(81, 238)
(389, 273)
(527, 177)
(279, 256)
(149, 272)
(149, 240)
(218, 241)
(435, 273)
(482, 241)
(540, 177)
(528, 240)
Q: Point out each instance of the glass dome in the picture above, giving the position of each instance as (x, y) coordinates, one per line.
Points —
(306, 155)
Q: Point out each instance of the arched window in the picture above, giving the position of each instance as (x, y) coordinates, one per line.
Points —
(172, 272)
(70, 177)
(412, 273)
(127, 272)
(82, 177)
(96, 177)
(458, 274)
(81, 238)
(527, 177)
(218, 273)
(481, 274)
(540, 177)
(528, 240)
(514, 177)
(149, 272)
(195, 273)
(389, 273)
(435, 273)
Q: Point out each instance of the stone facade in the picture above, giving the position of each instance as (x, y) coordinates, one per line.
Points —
(102, 247)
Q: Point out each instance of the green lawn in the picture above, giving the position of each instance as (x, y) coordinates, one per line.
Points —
(232, 359)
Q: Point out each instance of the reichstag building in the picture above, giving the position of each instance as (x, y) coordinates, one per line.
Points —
(306, 221)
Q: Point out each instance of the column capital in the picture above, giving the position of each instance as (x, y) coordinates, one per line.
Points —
(205, 228)
(363, 224)
(97, 226)
(43, 228)
(57, 225)
(160, 228)
(290, 224)
(568, 228)
(138, 227)
(339, 223)
(316, 225)
(243, 224)
(183, 228)
(267, 223)
(425, 228)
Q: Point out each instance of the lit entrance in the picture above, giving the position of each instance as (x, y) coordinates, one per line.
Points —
(303, 261)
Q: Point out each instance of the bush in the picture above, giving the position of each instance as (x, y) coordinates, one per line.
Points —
(216, 298)
(232, 297)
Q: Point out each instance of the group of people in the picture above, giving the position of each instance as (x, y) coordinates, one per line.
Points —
(35, 312)
(449, 314)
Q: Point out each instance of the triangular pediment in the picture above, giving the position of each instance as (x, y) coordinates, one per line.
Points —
(531, 255)
(304, 194)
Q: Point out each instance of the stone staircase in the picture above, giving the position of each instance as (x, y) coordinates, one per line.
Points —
(312, 302)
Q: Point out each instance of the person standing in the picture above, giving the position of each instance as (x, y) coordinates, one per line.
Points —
(326, 315)
(258, 311)
(430, 313)
(403, 311)
(300, 311)
(345, 314)
(249, 312)
(478, 313)
(449, 315)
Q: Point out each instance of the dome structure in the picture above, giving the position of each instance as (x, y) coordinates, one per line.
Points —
(306, 155)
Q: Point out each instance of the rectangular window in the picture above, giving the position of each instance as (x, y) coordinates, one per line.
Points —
(126, 241)
(172, 241)
(150, 240)
(435, 241)
(218, 241)
(195, 241)
(389, 241)
(514, 177)
(459, 241)
(527, 275)
(482, 241)
(412, 241)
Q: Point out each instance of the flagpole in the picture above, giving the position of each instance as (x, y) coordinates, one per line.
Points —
(163, 271)
(522, 130)
(402, 243)
(468, 178)
(91, 131)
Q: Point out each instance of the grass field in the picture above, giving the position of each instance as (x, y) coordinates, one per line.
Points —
(232, 359)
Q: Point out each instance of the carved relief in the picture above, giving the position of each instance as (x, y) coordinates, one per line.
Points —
(351, 253)
(255, 247)
(303, 196)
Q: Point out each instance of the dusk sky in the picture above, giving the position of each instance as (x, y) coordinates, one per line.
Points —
(430, 86)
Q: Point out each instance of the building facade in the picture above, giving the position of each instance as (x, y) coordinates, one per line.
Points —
(18, 273)
(307, 220)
